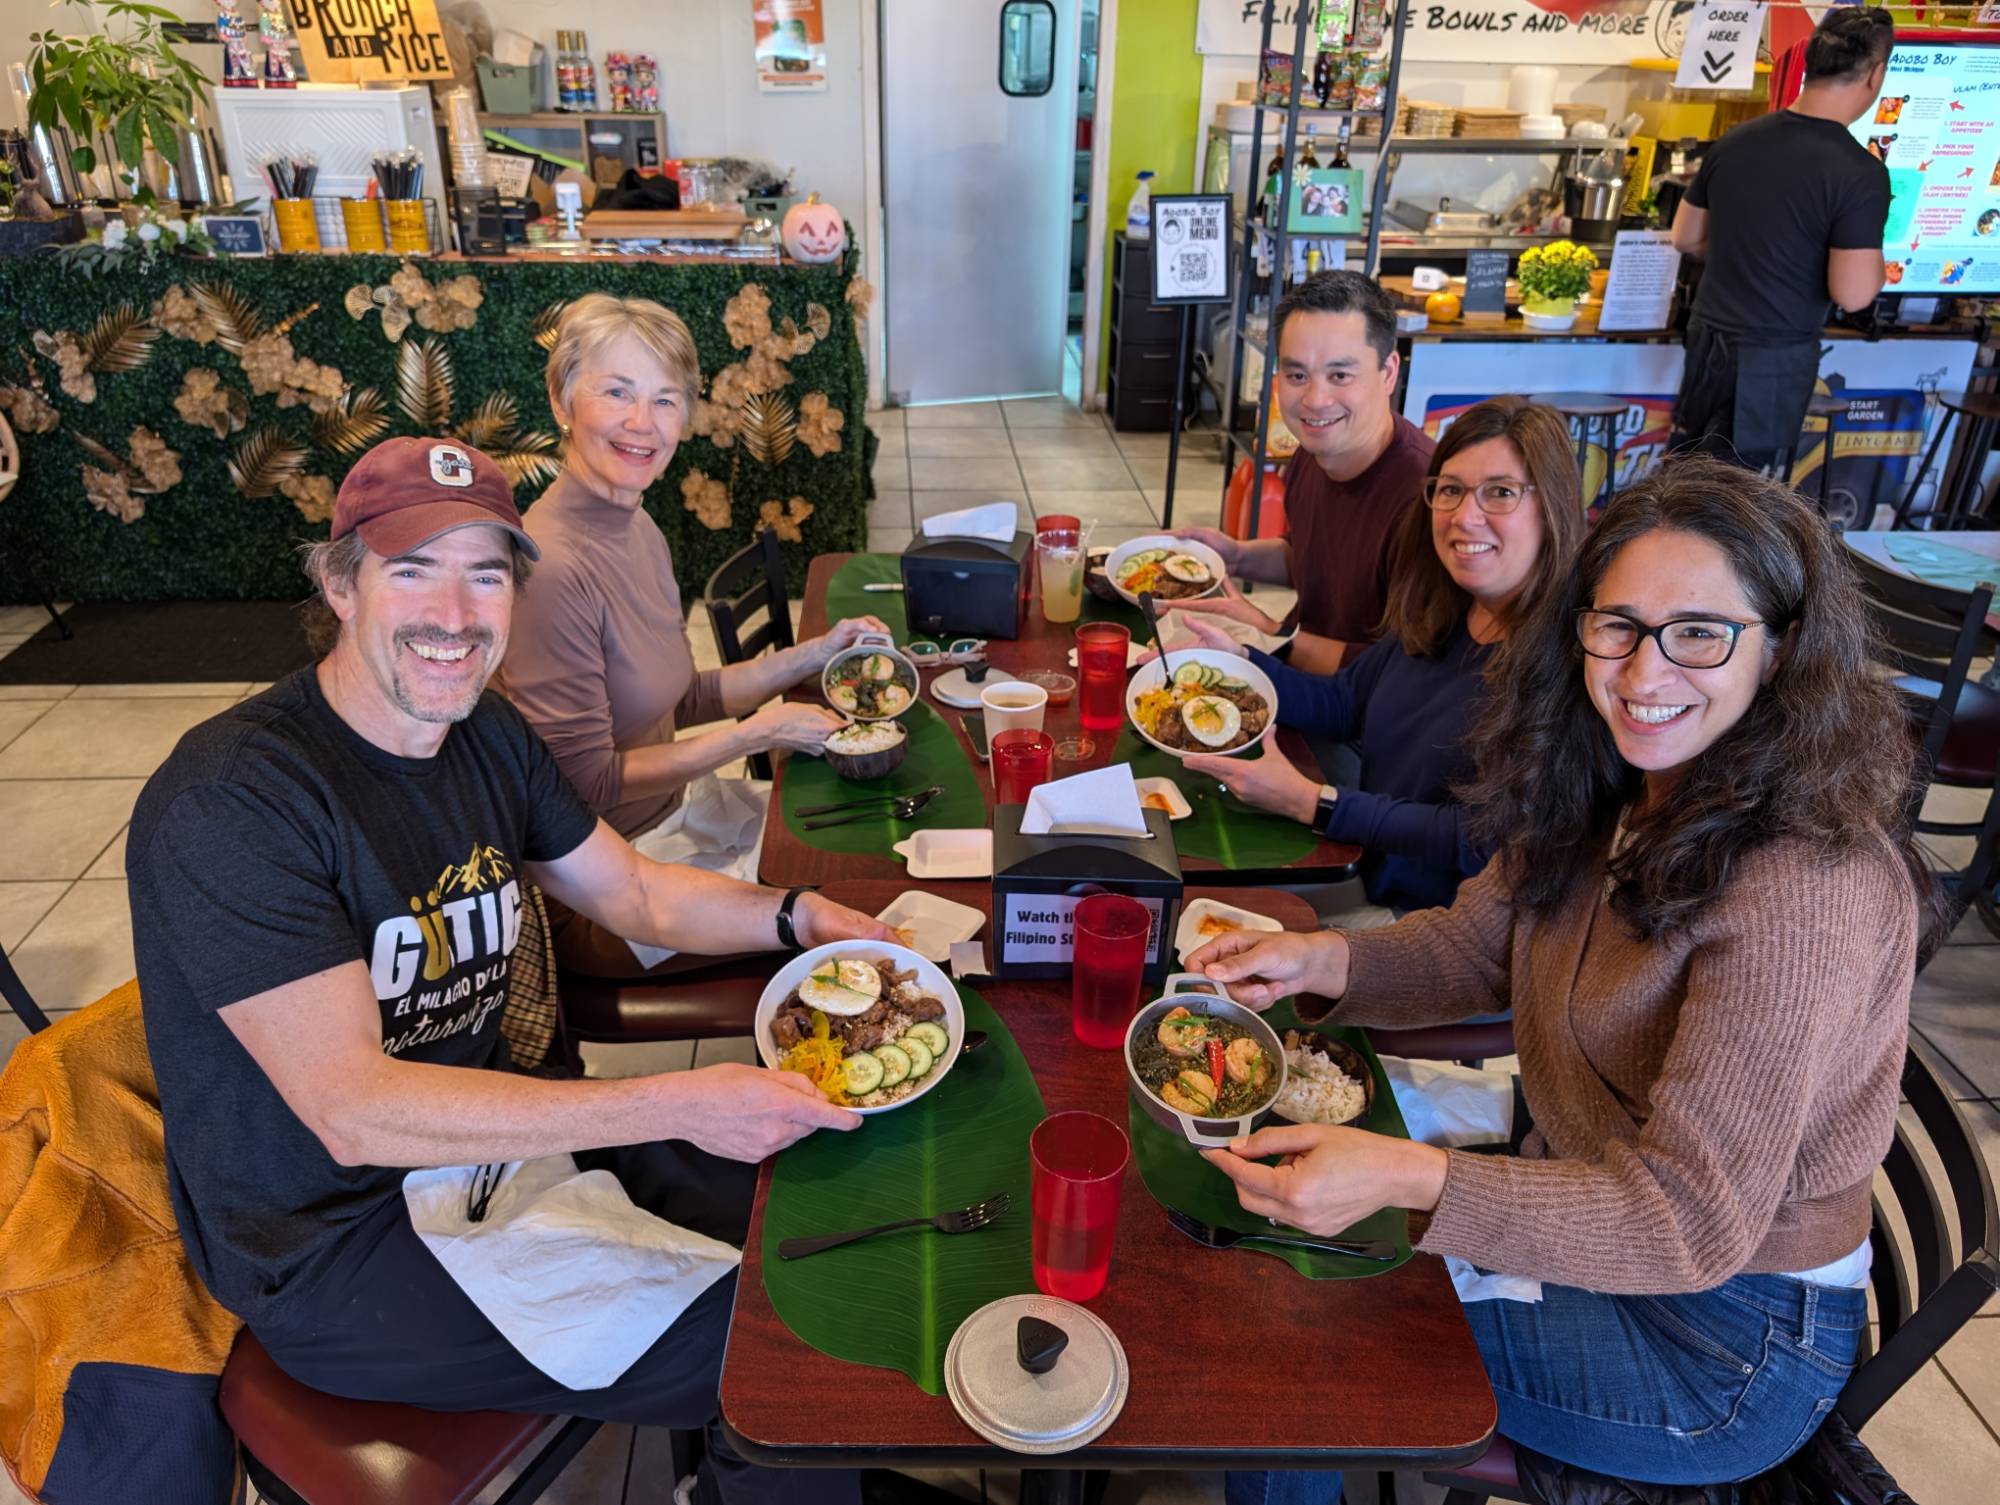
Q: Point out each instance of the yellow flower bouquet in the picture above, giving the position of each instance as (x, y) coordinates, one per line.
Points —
(1553, 277)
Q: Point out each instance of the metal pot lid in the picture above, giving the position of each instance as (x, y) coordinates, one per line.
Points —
(1079, 1393)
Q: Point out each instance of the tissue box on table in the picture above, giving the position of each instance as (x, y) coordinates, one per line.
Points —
(1037, 881)
(966, 575)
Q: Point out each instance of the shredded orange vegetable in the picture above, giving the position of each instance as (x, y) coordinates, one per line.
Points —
(818, 1056)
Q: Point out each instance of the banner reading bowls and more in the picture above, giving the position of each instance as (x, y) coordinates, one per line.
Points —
(1484, 31)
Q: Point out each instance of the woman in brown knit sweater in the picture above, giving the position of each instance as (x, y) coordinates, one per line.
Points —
(1704, 916)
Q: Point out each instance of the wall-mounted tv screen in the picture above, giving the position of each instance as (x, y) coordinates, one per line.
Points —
(1936, 127)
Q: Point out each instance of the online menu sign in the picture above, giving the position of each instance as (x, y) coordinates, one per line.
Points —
(1936, 127)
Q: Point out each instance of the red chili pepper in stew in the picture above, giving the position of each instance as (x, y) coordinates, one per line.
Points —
(1215, 1063)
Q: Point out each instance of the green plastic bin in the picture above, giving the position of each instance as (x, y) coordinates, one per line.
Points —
(510, 90)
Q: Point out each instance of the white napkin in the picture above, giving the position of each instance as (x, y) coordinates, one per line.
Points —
(1103, 802)
(1175, 631)
(996, 521)
(968, 959)
(579, 1280)
(719, 826)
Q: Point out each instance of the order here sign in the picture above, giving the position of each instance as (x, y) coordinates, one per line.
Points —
(1721, 47)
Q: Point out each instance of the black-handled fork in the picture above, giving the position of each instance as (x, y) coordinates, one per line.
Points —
(883, 798)
(964, 1220)
(903, 809)
(1229, 1238)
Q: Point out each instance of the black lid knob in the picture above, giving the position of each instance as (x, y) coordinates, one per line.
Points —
(1038, 1344)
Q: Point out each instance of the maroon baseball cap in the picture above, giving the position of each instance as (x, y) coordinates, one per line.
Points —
(405, 492)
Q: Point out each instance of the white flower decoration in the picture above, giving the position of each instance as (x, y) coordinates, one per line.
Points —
(149, 232)
(179, 227)
(114, 235)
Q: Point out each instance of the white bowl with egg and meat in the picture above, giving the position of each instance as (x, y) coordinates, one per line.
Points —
(838, 998)
(1225, 668)
(1188, 561)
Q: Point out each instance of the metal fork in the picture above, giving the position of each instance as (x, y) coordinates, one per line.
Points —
(904, 807)
(1228, 1238)
(868, 799)
(965, 1220)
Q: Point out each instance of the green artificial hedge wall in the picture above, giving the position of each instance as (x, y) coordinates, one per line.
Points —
(203, 540)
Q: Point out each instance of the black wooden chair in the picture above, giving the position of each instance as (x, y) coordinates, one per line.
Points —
(1933, 633)
(751, 579)
(16, 993)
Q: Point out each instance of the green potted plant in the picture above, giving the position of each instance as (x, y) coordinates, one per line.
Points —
(1552, 278)
(132, 86)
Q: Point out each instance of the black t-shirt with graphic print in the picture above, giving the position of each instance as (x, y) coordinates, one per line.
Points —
(275, 843)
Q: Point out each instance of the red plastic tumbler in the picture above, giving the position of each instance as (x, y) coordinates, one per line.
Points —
(1079, 1170)
(1100, 669)
(1109, 967)
(1022, 758)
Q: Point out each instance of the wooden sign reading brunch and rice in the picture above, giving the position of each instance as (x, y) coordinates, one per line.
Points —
(360, 41)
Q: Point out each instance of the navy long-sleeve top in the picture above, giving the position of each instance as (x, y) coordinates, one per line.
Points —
(1410, 715)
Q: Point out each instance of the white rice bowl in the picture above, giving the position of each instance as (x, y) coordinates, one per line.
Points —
(1317, 1091)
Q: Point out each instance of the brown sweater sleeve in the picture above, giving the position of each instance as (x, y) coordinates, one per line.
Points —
(555, 673)
(1436, 966)
(1789, 965)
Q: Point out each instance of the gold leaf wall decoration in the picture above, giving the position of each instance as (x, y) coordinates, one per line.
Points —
(360, 419)
(530, 460)
(783, 518)
(263, 460)
(547, 322)
(204, 402)
(819, 319)
(121, 340)
(291, 321)
(770, 428)
(495, 416)
(424, 383)
(235, 318)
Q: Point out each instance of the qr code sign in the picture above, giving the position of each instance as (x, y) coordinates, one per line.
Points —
(1192, 267)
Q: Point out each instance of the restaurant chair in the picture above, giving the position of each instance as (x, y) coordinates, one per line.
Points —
(750, 579)
(1958, 487)
(18, 999)
(1925, 1290)
(1932, 634)
(1830, 407)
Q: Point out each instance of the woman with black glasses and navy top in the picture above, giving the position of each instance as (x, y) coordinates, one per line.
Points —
(1497, 525)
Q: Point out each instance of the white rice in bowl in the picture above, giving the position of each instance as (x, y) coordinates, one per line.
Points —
(1317, 1091)
(866, 737)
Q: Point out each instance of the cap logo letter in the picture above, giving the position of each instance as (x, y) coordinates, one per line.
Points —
(450, 466)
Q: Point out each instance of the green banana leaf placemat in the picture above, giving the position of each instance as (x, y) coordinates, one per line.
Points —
(895, 1300)
(1942, 564)
(846, 598)
(1222, 828)
(1178, 1177)
(934, 757)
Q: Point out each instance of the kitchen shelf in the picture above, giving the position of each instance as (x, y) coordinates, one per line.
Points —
(1493, 146)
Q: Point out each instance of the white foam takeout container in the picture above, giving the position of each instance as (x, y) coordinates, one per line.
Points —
(947, 852)
(1177, 806)
(1188, 938)
(934, 925)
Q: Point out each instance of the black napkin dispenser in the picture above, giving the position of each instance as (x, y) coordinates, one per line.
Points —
(1037, 881)
(966, 587)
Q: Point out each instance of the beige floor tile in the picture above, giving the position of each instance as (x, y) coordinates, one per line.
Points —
(1196, 471)
(1955, 1081)
(730, 1048)
(883, 419)
(35, 692)
(1047, 413)
(189, 690)
(11, 641)
(1125, 508)
(1972, 1359)
(893, 442)
(597, 1475)
(12, 1033)
(960, 444)
(1953, 1004)
(1933, 1443)
(16, 716)
(1194, 506)
(930, 503)
(892, 472)
(105, 738)
(22, 906)
(890, 540)
(25, 621)
(1068, 473)
(997, 474)
(890, 509)
(1074, 444)
(112, 863)
(1972, 931)
(57, 827)
(1116, 534)
(81, 950)
(955, 415)
(647, 1059)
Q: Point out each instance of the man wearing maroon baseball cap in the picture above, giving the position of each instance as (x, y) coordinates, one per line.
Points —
(331, 886)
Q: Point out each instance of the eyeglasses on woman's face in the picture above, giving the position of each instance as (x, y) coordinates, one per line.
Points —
(1689, 642)
(1496, 497)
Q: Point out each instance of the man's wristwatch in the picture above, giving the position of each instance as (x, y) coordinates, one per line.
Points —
(1323, 814)
(788, 935)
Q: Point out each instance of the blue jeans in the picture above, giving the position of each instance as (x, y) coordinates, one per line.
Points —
(1698, 1389)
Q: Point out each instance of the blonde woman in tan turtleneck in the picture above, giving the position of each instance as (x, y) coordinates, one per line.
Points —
(1705, 917)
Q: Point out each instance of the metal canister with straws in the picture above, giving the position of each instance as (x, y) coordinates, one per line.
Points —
(400, 176)
(291, 177)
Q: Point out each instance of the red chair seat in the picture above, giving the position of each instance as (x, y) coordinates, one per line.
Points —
(346, 1452)
(1972, 746)
(716, 1001)
(1494, 1468)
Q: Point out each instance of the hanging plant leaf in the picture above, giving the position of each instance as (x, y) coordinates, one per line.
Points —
(236, 320)
(291, 321)
(121, 340)
(770, 428)
(424, 384)
(492, 423)
(531, 461)
(544, 327)
(358, 422)
(263, 460)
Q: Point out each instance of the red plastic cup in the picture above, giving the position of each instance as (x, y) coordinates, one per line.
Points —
(1022, 758)
(1058, 522)
(1109, 967)
(1079, 1170)
(1101, 648)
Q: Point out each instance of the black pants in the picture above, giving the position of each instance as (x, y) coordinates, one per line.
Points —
(387, 1323)
(1743, 403)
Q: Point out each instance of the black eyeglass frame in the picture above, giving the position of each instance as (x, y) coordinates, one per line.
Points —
(1659, 636)
(1431, 483)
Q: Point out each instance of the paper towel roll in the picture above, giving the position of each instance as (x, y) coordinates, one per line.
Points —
(1531, 89)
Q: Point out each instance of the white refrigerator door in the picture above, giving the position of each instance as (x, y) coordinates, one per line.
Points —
(976, 194)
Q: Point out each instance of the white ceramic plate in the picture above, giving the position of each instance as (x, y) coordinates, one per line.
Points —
(949, 853)
(952, 688)
(1114, 567)
(933, 925)
(1177, 806)
(933, 982)
(1188, 938)
(1152, 676)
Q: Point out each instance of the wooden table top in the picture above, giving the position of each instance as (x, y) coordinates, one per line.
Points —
(1874, 546)
(1380, 1372)
(787, 860)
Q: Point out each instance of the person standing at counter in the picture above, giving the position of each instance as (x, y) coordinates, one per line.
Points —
(1360, 464)
(1787, 212)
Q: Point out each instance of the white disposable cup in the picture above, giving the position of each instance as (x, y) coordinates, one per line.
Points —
(1014, 703)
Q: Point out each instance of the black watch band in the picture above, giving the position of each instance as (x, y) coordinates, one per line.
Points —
(1323, 813)
(788, 936)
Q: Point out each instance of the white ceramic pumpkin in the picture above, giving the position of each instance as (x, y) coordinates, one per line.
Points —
(814, 232)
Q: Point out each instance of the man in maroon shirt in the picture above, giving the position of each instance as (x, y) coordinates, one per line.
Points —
(1359, 467)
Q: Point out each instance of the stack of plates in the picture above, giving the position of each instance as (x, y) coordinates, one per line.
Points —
(1488, 124)
(1542, 128)
(1423, 117)
(1572, 112)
